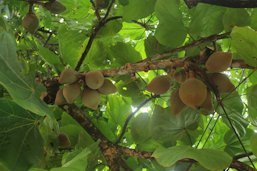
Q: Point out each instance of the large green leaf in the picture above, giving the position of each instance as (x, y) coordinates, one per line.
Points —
(244, 40)
(208, 158)
(168, 128)
(252, 103)
(71, 44)
(206, 20)
(235, 17)
(23, 91)
(21, 145)
(253, 144)
(136, 9)
(171, 30)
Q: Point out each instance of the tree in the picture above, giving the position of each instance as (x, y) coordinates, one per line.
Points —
(127, 85)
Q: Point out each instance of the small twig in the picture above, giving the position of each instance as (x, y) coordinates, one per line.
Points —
(108, 10)
(48, 38)
(239, 156)
(129, 117)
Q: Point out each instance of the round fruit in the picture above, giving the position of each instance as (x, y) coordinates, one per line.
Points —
(107, 88)
(193, 92)
(30, 22)
(68, 76)
(180, 76)
(218, 62)
(221, 82)
(71, 92)
(176, 105)
(91, 98)
(94, 79)
(54, 7)
(59, 99)
(100, 4)
(159, 85)
(63, 141)
(207, 105)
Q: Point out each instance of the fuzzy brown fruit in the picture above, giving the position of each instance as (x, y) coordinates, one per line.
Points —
(71, 92)
(94, 79)
(59, 98)
(100, 4)
(91, 98)
(221, 82)
(159, 85)
(176, 105)
(30, 22)
(107, 88)
(218, 62)
(180, 76)
(207, 104)
(68, 76)
(54, 7)
(193, 92)
(63, 141)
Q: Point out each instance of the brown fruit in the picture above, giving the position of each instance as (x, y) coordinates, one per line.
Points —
(180, 76)
(176, 105)
(91, 98)
(107, 88)
(94, 79)
(68, 76)
(207, 104)
(100, 4)
(54, 7)
(30, 22)
(221, 82)
(63, 141)
(193, 92)
(71, 92)
(59, 99)
(159, 85)
(218, 62)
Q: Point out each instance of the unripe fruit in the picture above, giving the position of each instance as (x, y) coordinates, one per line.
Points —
(94, 79)
(180, 76)
(68, 76)
(54, 7)
(176, 105)
(159, 85)
(63, 141)
(218, 62)
(71, 92)
(100, 4)
(59, 99)
(221, 82)
(107, 88)
(30, 22)
(193, 92)
(91, 98)
(207, 105)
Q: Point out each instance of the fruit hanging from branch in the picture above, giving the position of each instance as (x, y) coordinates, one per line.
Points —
(218, 62)
(54, 7)
(68, 76)
(30, 22)
(159, 85)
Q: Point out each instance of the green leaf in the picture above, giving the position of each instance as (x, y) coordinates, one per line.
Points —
(234, 108)
(110, 29)
(20, 141)
(171, 31)
(208, 158)
(168, 128)
(71, 45)
(123, 53)
(23, 91)
(135, 9)
(206, 20)
(244, 40)
(254, 19)
(153, 47)
(140, 127)
(253, 144)
(252, 103)
(235, 17)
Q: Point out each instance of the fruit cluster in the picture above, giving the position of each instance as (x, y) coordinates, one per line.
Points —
(192, 91)
(31, 23)
(88, 86)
